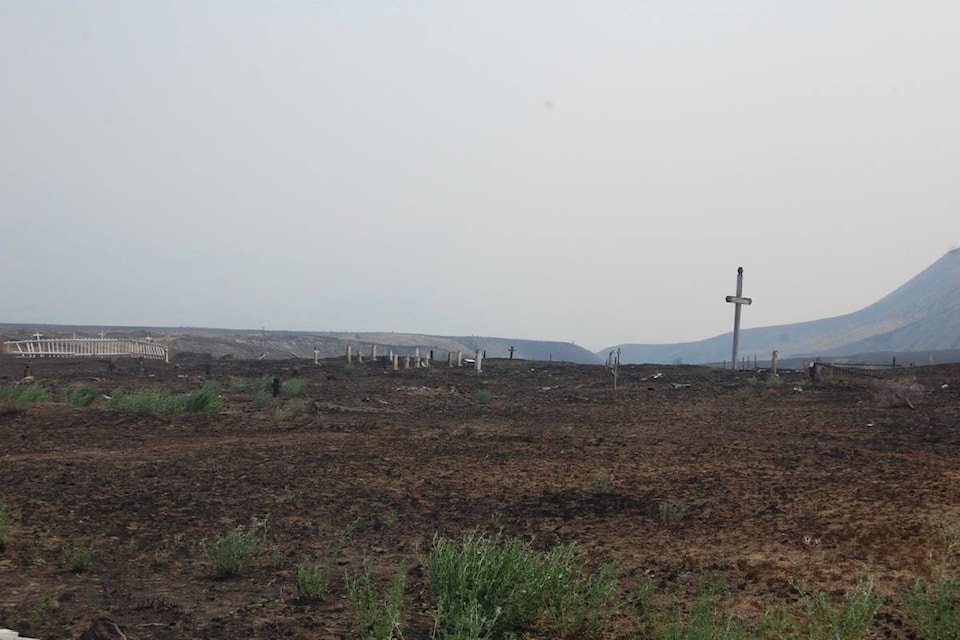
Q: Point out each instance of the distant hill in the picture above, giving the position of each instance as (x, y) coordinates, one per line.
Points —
(249, 344)
(922, 315)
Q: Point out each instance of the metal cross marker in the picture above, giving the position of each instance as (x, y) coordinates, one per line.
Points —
(738, 300)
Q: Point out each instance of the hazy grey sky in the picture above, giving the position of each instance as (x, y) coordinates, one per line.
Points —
(586, 171)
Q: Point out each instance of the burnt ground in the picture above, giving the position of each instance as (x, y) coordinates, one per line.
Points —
(782, 486)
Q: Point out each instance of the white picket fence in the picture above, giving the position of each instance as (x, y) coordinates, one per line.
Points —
(88, 347)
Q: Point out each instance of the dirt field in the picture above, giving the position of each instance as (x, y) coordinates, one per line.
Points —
(794, 483)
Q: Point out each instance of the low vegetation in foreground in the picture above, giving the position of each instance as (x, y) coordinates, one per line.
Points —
(385, 578)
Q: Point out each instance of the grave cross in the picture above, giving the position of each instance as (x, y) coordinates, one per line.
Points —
(739, 301)
(511, 352)
(38, 335)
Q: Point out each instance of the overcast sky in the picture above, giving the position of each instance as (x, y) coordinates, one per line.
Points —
(578, 171)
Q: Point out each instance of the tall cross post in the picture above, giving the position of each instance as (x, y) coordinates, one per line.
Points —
(739, 301)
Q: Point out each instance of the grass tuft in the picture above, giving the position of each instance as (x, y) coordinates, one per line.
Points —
(79, 559)
(377, 616)
(602, 481)
(933, 608)
(294, 388)
(313, 582)
(852, 619)
(232, 554)
(40, 614)
(6, 525)
(673, 514)
(83, 396)
(705, 619)
(203, 400)
(491, 587)
(25, 394)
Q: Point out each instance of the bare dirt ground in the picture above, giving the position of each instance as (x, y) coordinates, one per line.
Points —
(820, 486)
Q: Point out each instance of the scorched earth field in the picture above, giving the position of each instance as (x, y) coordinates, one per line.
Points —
(185, 501)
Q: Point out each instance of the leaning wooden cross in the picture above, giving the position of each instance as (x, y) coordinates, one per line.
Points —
(739, 301)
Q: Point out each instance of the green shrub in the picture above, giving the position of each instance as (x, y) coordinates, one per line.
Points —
(232, 553)
(79, 559)
(851, 620)
(237, 385)
(482, 396)
(6, 525)
(486, 588)
(934, 608)
(294, 388)
(377, 616)
(84, 396)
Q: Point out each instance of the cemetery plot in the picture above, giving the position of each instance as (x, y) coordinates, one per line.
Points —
(185, 501)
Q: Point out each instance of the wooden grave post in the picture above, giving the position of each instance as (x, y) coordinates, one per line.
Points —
(739, 301)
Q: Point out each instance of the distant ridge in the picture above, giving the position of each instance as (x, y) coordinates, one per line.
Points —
(250, 344)
(921, 315)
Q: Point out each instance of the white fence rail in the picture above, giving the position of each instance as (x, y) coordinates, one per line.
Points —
(87, 347)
